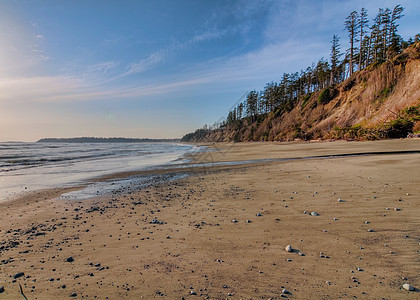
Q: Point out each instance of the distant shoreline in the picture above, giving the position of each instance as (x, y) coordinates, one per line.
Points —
(104, 140)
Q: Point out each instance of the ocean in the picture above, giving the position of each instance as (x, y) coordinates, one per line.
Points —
(26, 167)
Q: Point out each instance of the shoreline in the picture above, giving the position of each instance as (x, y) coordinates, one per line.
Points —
(169, 239)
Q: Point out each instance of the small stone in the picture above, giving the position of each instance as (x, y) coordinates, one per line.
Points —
(367, 222)
(235, 221)
(340, 200)
(74, 294)
(1, 289)
(314, 213)
(18, 275)
(304, 212)
(408, 287)
(397, 209)
(70, 259)
(193, 293)
(259, 215)
(370, 230)
(289, 248)
(284, 291)
(335, 219)
(289, 260)
(248, 221)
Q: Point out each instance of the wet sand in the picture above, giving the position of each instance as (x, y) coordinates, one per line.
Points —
(221, 232)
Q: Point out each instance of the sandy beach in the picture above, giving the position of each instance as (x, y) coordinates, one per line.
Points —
(222, 231)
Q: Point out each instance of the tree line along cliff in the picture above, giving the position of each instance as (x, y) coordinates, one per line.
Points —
(373, 93)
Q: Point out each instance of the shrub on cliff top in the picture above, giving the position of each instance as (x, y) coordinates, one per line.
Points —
(327, 95)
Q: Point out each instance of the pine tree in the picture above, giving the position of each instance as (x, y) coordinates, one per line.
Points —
(386, 25)
(335, 58)
(240, 110)
(363, 23)
(252, 104)
(394, 38)
(352, 27)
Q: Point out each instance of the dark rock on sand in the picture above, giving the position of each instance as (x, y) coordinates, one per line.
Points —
(18, 275)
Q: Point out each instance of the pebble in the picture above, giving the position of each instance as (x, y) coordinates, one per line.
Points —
(304, 211)
(193, 293)
(1, 289)
(289, 248)
(70, 259)
(370, 230)
(18, 275)
(235, 221)
(340, 200)
(408, 287)
(248, 221)
(284, 291)
(335, 219)
(314, 213)
(74, 294)
(259, 215)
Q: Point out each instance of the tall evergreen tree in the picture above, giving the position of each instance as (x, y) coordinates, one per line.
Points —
(363, 23)
(375, 36)
(252, 104)
(240, 110)
(394, 38)
(352, 28)
(335, 58)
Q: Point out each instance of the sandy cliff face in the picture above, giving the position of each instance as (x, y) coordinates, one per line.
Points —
(368, 105)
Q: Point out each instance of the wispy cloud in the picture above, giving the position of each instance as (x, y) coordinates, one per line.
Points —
(103, 67)
(145, 64)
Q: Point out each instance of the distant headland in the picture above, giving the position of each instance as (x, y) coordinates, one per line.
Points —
(104, 140)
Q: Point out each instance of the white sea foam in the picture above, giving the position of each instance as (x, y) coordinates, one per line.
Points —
(26, 167)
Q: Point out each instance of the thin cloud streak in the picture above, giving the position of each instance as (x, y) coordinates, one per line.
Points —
(72, 89)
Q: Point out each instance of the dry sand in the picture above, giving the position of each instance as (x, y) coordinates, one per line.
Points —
(195, 250)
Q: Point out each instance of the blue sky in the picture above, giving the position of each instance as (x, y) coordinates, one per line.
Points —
(158, 68)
